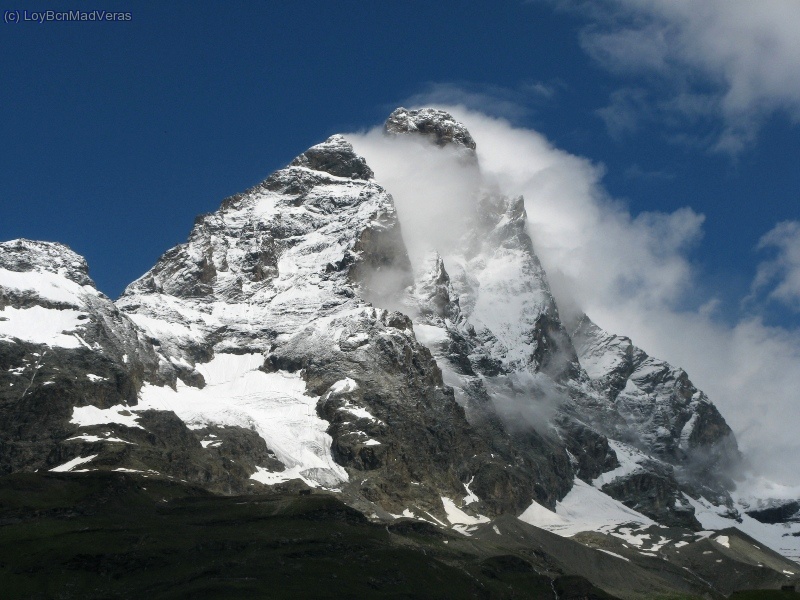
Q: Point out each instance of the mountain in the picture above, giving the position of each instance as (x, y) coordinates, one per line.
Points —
(296, 342)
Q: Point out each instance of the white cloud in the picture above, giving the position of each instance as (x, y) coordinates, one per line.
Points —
(431, 187)
(781, 274)
(734, 59)
(591, 245)
(630, 273)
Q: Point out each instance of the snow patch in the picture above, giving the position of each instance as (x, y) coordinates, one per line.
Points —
(456, 516)
(238, 394)
(428, 335)
(687, 430)
(629, 460)
(780, 536)
(359, 412)
(614, 554)
(85, 437)
(343, 386)
(586, 508)
(40, 325)
(308, 476)
(70, 465)
(86, 416)
(470, 497)
(274, 405)
(46, 285)
(124, 470)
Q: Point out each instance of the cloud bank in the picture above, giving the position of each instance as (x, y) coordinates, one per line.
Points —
(734, 60)
(630, 273)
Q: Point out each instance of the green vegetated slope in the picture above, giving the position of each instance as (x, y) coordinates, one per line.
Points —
(118, 535)
(765, 595)
(112, 535)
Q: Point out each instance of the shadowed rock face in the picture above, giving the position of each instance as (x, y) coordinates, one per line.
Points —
(656, 494)
(777, 511)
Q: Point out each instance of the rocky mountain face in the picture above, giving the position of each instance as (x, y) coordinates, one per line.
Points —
(64, 345)
(662, 411)
(67, 354)
(292, 343)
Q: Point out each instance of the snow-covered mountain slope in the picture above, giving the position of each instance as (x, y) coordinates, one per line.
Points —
(69, 358)
(271, 260)
(48, 299)
(293, 340)
(285, 270)
(62, 343)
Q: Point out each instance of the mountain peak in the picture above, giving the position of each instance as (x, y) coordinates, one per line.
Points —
(438, 125)
(23, 255)
(266, 354)
(335, 156)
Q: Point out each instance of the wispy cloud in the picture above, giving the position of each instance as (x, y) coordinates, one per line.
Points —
(779, 276)
(513, 103)
(627, 109)
(637, 172)
(734, 62)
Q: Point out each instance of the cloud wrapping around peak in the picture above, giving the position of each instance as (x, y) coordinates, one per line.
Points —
(631, 273)
(590, 244)
(698, 59)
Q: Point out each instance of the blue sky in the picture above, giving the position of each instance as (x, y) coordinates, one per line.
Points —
(116, 135)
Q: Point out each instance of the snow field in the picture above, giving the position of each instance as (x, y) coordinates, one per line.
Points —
(40, 325)
(586, 508)
(237, 394)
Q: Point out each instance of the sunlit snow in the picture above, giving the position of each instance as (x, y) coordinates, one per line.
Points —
(41, 325)
(629, 459)
(586, 508)
(237, 393)
(70, 465)
(781, 537)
